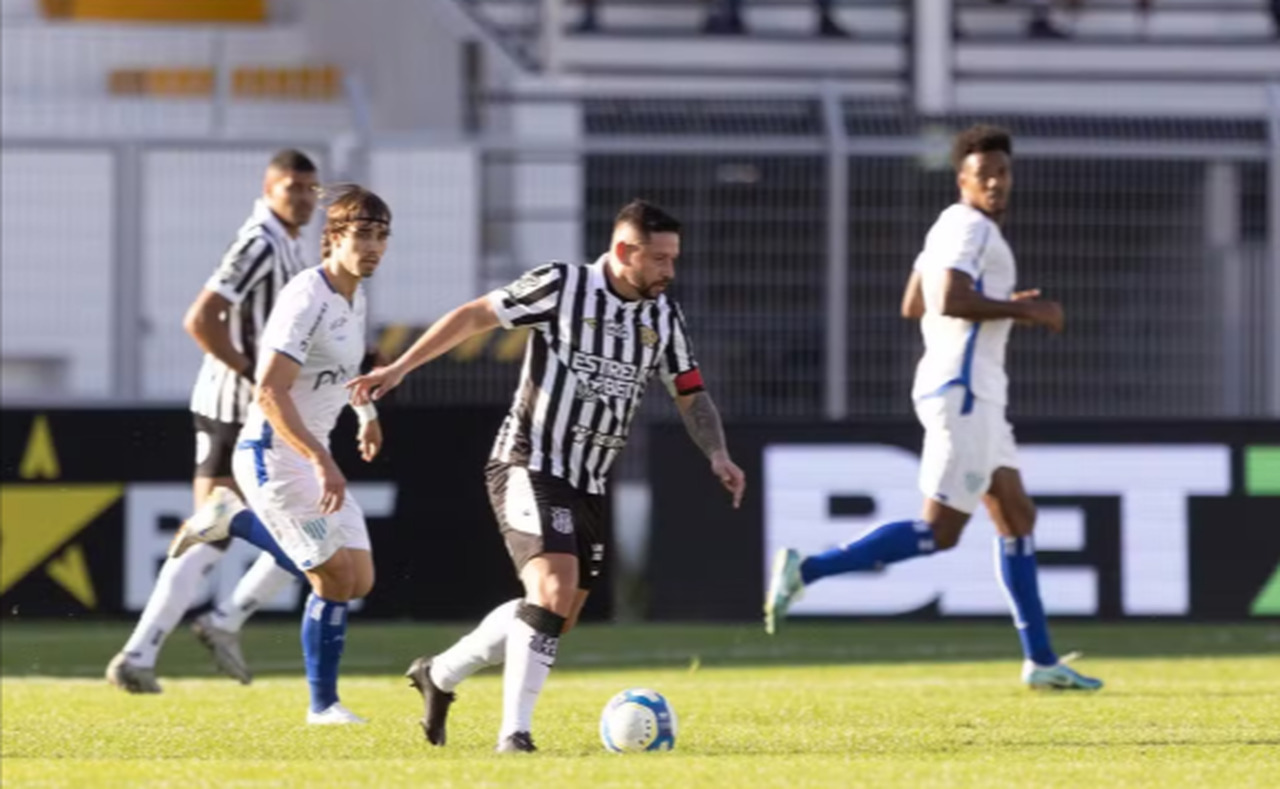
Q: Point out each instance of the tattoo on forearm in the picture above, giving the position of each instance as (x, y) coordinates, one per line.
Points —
(702, 420)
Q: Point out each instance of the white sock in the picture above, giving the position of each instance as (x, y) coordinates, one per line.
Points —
(260, 584)
(484, 646)
(179, 582)
(532, 642)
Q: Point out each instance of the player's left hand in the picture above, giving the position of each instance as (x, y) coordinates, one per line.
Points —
(729, 475)
(369, 438)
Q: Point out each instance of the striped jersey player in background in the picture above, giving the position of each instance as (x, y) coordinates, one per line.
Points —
(226, 320)
(599, 333)
(963, 291)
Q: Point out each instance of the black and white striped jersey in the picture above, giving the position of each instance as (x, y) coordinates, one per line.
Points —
(589, 356)
(256, 266)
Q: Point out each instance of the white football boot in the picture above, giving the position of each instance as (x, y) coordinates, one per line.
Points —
(130, 677)
(334, 715)
(224, 645)
(1058, 677)
(785, 587)
(210, 523)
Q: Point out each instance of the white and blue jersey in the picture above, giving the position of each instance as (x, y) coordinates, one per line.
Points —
(317, 327)
(961, 388)
(960, 353)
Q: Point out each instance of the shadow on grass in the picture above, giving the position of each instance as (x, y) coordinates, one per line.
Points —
(82, 649)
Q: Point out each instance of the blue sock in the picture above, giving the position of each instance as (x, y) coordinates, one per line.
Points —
(247, 527)
(1016, 571)
(874, 548)
(324, 633)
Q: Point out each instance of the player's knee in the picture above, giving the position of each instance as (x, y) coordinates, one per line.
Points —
(362, 588)
(335, 579)
(336, 590)
(555, 592)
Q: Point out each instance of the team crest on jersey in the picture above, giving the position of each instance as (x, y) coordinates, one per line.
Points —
(648, 337)
(562, 520)
(618, 330)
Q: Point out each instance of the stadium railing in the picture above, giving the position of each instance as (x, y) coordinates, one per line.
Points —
(1159, 235)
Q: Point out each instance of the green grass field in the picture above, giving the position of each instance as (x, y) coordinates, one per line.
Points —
(833, 705)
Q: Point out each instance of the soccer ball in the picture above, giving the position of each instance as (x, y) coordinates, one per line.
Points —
(638, 720)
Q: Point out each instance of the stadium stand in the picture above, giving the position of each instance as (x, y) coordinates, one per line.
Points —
(139, 68)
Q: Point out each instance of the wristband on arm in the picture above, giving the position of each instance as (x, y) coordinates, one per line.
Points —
(365, 413)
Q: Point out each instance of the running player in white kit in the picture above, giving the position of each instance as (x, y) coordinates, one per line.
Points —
(962, 290)
(313, 344)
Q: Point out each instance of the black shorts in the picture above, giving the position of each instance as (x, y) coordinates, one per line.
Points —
(539, 513)
(215, 444)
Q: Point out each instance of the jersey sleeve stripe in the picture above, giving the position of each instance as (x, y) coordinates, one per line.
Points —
(680, 343)
(540, 293)
(534, 313)
(679, 356)
(251, 275)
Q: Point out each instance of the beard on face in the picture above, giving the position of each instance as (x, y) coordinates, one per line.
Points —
(654, 289)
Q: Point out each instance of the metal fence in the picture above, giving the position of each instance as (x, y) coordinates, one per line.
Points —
(1153, 233)
(803, 217)
(104, 246)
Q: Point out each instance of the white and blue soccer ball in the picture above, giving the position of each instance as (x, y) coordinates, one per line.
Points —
(638, 720)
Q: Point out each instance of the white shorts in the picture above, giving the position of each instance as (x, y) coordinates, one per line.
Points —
(962, 451)
(281, 488)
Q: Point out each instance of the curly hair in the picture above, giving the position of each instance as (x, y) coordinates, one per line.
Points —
(346, 205)
(980, 138)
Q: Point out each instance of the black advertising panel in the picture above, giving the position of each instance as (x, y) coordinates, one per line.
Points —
(1151, 520)
(89, 500)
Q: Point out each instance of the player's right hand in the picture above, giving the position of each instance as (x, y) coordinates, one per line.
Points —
(374, 384)
(333, 485)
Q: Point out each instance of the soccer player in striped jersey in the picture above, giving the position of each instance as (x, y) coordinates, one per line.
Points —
(226, 321)
(963, 291)
(599, 332)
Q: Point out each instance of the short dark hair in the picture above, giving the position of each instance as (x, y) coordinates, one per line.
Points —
(292, 160)
(646, 218)
(979, 138)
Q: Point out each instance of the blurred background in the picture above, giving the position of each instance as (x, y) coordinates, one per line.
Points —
(803, 143)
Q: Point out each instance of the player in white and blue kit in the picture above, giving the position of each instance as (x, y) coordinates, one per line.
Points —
(963, 291)
(312, 345)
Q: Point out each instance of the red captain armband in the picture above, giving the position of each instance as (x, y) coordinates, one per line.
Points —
(689, 382)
